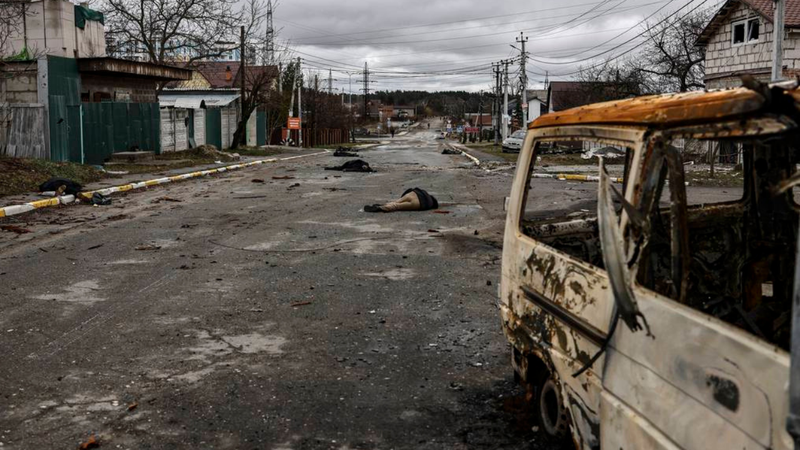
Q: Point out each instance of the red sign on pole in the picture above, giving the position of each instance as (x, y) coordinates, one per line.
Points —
(472, 130)
(294, 123)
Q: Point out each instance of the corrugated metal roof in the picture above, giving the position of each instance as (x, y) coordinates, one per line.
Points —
(195, 101)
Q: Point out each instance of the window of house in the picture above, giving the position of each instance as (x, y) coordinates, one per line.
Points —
(746, 31)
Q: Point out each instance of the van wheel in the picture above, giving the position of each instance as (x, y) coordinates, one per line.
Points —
(551, 411)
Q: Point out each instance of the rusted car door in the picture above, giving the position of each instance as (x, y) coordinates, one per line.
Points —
(695, 383)
(553, 304)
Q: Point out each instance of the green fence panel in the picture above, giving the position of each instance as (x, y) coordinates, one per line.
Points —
(261, 128)
(214, 127)
(74, 126)
(59, 128)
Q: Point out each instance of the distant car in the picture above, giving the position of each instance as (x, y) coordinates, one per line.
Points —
(361, 131)
(514, 142)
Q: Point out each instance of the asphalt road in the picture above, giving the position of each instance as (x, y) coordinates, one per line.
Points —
(228, 313)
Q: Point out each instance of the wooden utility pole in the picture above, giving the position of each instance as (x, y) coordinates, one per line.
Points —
(300, 101)
(777, 41)
(523, 78)
(242, 69)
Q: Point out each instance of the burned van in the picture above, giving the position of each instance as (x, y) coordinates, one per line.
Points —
(651, 314)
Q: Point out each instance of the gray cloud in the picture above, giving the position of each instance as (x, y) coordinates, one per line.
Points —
(389, 36)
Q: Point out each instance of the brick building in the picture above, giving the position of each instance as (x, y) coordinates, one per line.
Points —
(738, 41)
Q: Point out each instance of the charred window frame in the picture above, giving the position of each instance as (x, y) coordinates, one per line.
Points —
(741, 253)
(629, 138)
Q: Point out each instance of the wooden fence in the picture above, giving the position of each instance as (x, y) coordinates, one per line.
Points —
(22, 131)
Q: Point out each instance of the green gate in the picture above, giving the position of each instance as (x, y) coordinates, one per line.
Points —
(117, 127)
(261, 128)
(214, 127)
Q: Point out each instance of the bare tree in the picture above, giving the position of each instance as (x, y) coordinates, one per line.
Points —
(261, 82)
(162, 31)
(11, 22)
(670, 58)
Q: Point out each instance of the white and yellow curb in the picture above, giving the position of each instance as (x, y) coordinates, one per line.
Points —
(572, 177)
(67, 199)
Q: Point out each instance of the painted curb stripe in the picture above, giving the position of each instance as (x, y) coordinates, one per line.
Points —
(67, 199)
(573, 177)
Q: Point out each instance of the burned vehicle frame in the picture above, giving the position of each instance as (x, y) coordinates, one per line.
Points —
(670, 325)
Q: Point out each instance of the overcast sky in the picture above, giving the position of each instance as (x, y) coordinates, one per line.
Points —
(418, 44)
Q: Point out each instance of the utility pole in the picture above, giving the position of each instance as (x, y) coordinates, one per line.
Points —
(243, 77)
(505, 99)
(523, 79)
(366, 90)
(270, 50)
(330, 81)
(496, 104)
(777, 40)
(300, 102)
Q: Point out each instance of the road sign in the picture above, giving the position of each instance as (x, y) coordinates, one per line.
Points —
(524, 106)
(449, 129)
(460, 129)
(293, 123)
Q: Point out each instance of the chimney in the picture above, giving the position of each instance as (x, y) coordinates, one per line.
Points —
(228, 73)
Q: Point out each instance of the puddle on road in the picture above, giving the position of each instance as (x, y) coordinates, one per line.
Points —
(82, 292)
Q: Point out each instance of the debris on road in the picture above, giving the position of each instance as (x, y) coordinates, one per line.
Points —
(284, 177)
(147, 247)
(94, 247)
(415, 199)
(167, 199)
(15, 229)
(99, 199)
(294, 305)
(92, 442)
(257, 180)
(133, 406)
(441, 212)
(356, 165)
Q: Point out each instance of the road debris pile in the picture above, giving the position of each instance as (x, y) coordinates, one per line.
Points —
(415, 199)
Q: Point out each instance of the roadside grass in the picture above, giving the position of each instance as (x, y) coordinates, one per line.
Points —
(490, 149)
(21, 175)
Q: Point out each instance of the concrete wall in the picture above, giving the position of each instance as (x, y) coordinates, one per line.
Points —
(200, 126)
(725, 61)
(230, 116)
(20, 86)
(173, 130)
(251, 130)
(119, 88)
(51, 30)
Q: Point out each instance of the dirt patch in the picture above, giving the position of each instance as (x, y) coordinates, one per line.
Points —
(20, 175)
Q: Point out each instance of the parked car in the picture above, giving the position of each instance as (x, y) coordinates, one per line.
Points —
(661, 321)
(514, 142)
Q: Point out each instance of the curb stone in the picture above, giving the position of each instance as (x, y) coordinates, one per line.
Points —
(68, 199)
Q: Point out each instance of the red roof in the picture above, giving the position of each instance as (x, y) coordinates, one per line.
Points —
(256, 75)
(767, 9)
(216, 72)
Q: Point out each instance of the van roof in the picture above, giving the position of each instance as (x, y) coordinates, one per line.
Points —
(661, 111)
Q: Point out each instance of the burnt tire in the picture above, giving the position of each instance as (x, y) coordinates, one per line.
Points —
(551, 411)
